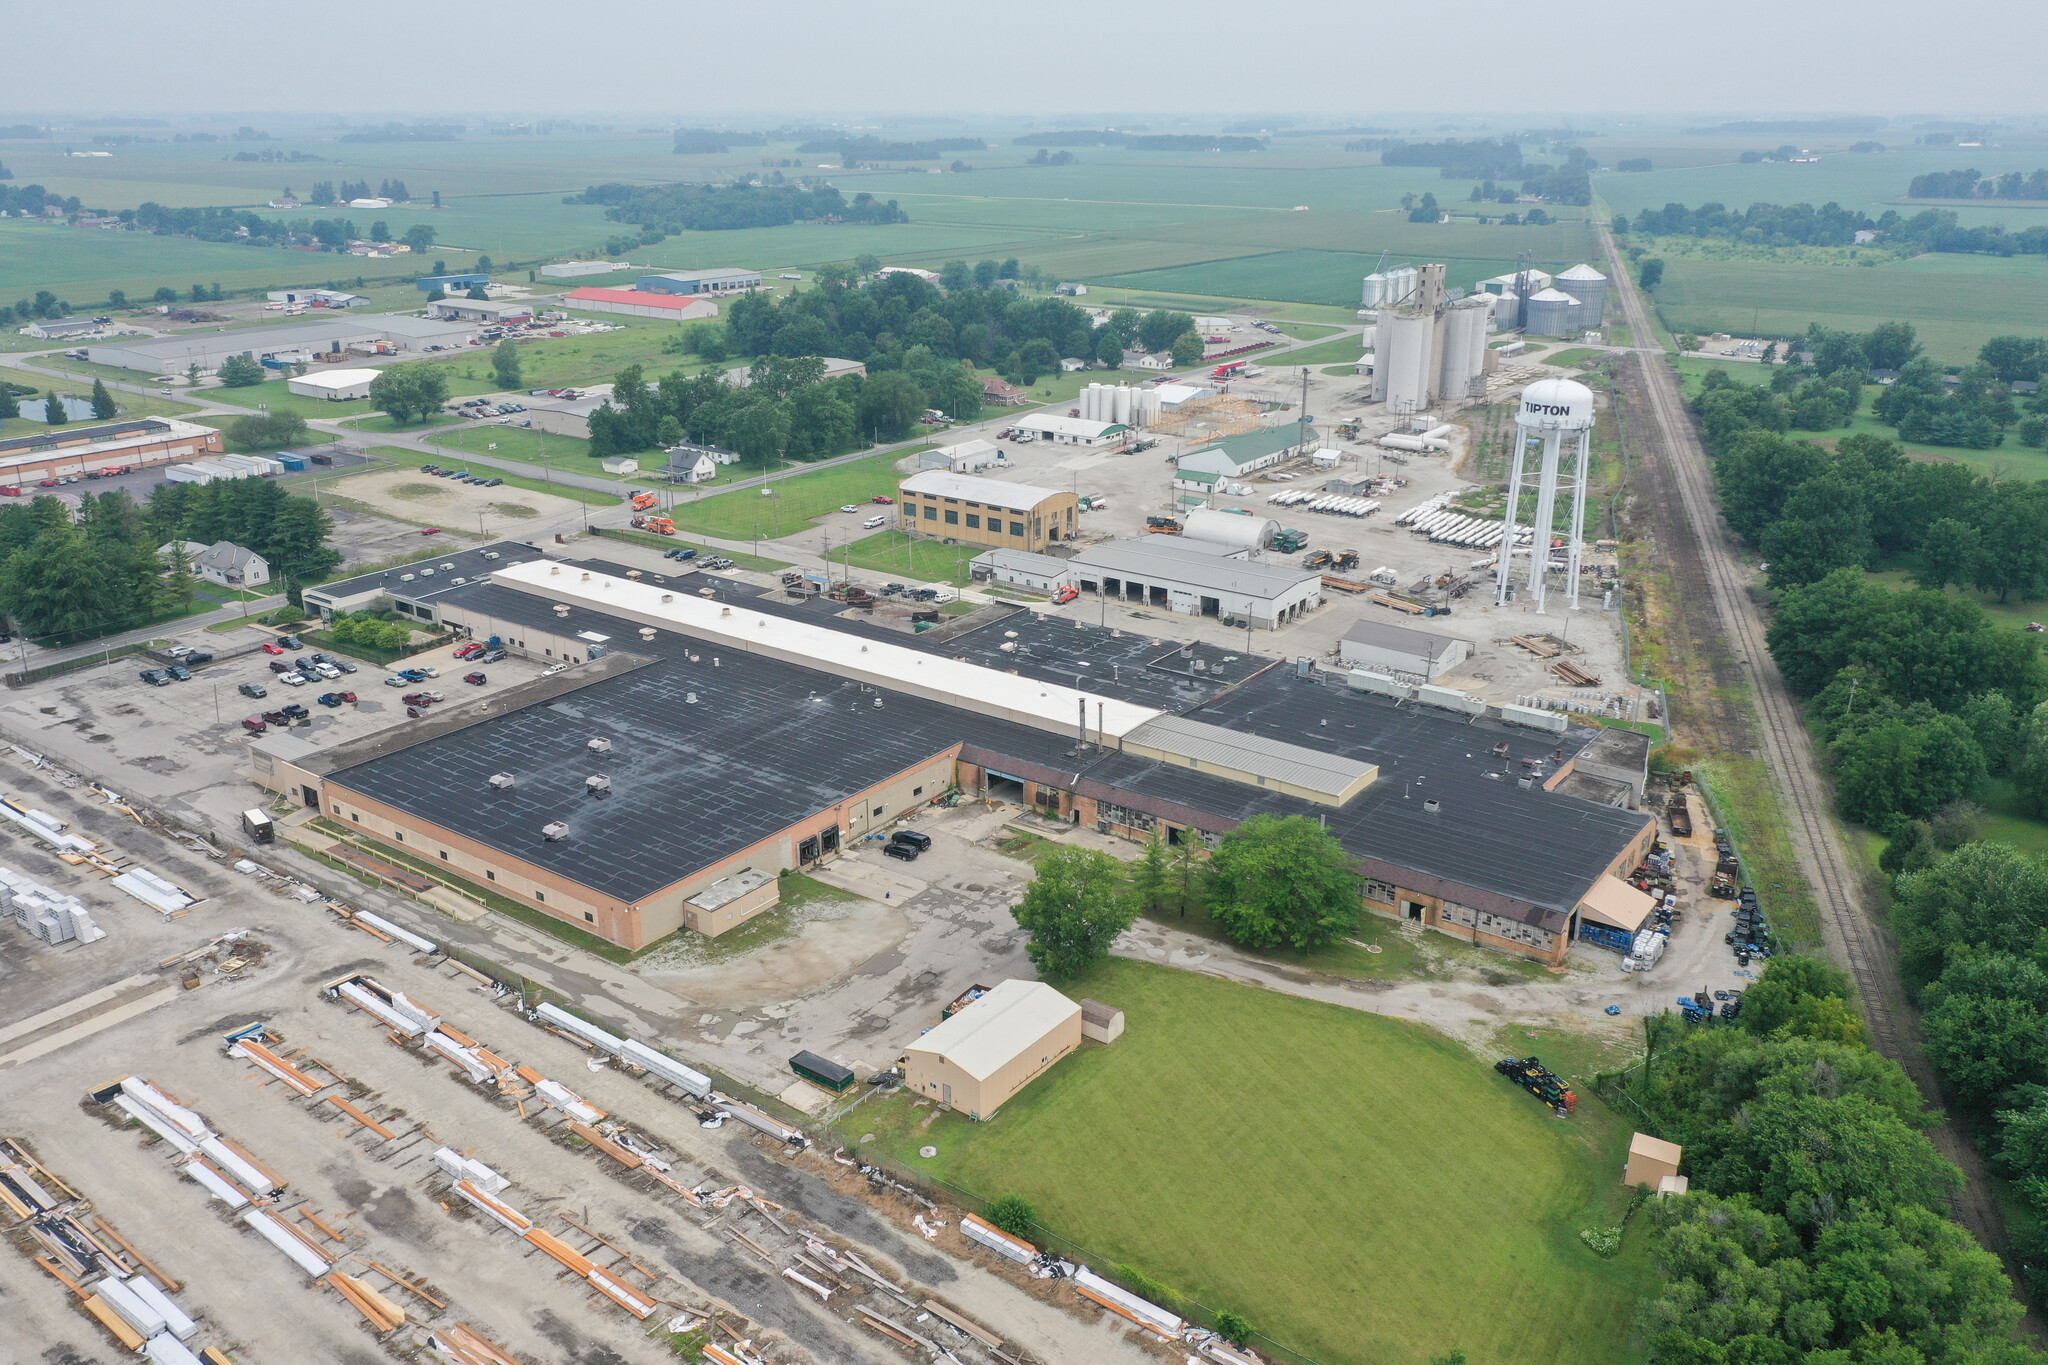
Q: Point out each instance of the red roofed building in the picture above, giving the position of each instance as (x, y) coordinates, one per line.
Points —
(634, 304)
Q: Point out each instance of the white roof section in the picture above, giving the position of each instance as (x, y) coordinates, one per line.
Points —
(946, 484)
(969, 686)
(1063, 425)
(1329, 775)
(1154, 561)
(1582, 271)
(1552, 296)
(985, 1036)
(1171, 395)
(339, 379)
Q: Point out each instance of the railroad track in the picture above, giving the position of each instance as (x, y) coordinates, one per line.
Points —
(1851, 934)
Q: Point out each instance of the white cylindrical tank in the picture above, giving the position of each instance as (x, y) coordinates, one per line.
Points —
(1464, 347)
(1507, 311)
(1549, 313)
(1555, 405)
(1404, 355)
(1122, 411)
(1091, 403)
(1229, 528)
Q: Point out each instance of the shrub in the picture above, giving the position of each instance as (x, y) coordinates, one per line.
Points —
(1013, 1214)
(1232, 1327)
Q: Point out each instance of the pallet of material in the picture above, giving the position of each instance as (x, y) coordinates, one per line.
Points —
(113, 1322)
(630, 1160)
(1398, 603)
(1573, 674)
(1536, 645)
(1351, 585)
(464, 1345)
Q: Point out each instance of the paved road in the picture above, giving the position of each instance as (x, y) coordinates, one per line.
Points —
(1853, 933)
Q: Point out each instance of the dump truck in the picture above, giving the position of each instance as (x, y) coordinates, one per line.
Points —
(1317, 559)
(1680, 815)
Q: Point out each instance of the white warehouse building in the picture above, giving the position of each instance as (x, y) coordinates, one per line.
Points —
(1384, 647)
(1198, 582)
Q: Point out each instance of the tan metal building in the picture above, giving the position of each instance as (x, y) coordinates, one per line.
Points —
(982, 1056)
(977, 511)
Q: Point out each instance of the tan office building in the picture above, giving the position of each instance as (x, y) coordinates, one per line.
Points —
(977, 511)
(981, 1057)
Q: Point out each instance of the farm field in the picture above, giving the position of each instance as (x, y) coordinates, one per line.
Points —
(1314, 1167)
(1870, 183)
(1956, 303)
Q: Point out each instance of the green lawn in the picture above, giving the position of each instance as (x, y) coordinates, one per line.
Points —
(413, 459)
(2007, 823)
(1341, 350)
(1577, 355)
(1305, 331)
(659, 542)
(746, 513)
(521, 443)
(380, 425)
(1364, 1190)
(909, 558)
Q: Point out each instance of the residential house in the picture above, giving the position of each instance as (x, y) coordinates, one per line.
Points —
(1000, 393)
(1147, 360)
(228, 564)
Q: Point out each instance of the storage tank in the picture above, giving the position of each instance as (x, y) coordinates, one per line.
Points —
(1401, 282)
(1375, 291)
(1507, 310)
(1589, 287)
(1091, 402)
(1401, 373)
(1464, 348)
(1548, 314)
(1144, 407)
(1121, 412)
(1229, 528)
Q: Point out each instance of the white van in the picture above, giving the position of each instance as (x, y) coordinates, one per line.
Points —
(874, 523)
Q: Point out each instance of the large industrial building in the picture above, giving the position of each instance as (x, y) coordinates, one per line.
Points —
(490, 312)
(138, 443)
(1401, 651)
(692, 739)
(362, 333)
(1011, 516)
(1199, 578)
(1234, 457)
(980, 1057)
(636, 303)
(725, 280)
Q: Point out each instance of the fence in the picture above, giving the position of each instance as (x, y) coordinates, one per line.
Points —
(23, 677)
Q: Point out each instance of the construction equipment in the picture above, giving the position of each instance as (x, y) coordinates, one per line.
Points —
(1680, 815)
(1317, 559)
(659, 525)
(1540, 1081)
(643, 501)
(1347, 559)
(1162, 526)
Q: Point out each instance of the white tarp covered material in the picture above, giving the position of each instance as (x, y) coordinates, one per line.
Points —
(1150, 1314)
(405, 936)
(237, 1166)
(175, 1320)
(164, 1107)
(996, 1240)
(153, 891)
(569, 1102)
(46, 827)
(274, 1232)
(666, 1067)
(165, 1349)
(129, 1305)
(218, 1188)
(19, 1177)
(463, 1057)
(355, 994)
(754, 1118)
(148, 1118)
(588, 1032)
(622, 1294)
(502, 1212)
(459, 1167)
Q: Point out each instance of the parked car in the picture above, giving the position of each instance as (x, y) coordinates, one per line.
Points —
(253, 690)
(255, 725)
(414, 712)
(280, 666)
(343, 664)
(916, 840)
(907, 852)
(155, 677)
(270, 648)
(476, 678)
(431, 531)
(399, 680)
(293, 679)
(470, 650)
(1067, 593)
(495, 656)
(718, 562)
(196, 658)
(330, 698)
(180, 672)
(850, 507)
(291, 642)
(276, 718)
(493, 483)
(295, 711)
(882, 498)
(179, 651)
(327, 671)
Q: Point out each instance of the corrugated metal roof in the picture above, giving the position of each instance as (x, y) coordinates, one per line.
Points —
(1153, 559)
(983, 1038)
(1292, 764)
(996, 493)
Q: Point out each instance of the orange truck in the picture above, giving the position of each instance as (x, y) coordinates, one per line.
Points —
(643, 501)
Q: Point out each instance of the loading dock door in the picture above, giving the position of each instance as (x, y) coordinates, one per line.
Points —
(1212, 606)
(807, 851)
(1003, 787)
(311, 797)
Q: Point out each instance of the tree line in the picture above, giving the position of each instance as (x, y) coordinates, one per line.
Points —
(1783, 225)
(668, 209)
(66, 577)
(1816, 1230)
(1973, 185)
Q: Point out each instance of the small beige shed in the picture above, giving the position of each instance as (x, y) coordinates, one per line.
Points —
(1651, 1160)
(987, 1052)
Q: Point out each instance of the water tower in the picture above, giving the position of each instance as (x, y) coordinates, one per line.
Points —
(1556, 416)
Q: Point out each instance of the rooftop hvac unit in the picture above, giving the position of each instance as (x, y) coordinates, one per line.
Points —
(1432, 805)
(599, 746)
(597, 784)
(554, 831)
(502, 781)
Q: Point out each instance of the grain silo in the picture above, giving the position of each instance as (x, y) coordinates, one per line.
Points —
(1375, 291)
(1464, 349)
(1507, 311)
(1589, 287)
(1401, 282)
(1120, 410)
(1404, 373)
(1549, 313)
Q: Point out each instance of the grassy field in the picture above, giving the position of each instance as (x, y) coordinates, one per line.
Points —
(1696, 171)
(2006, 822)
(1338, 350)
(1364, 1190)
(745, 513)
(413, 459)
(520, 443)
(908, 558)
(1955, 302)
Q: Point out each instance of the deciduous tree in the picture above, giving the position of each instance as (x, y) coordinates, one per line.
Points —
(1282, 881)
(1073, 909)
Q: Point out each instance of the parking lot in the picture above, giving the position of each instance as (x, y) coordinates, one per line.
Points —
(183, 746)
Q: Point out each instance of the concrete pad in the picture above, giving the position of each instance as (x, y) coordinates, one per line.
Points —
(806, 1097)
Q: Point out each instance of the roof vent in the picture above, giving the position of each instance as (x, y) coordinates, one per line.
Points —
(448, 564)
(502, 781)
(597, 784)
(1187, 651)
(554, 831)
(1116, 635)
(1432, 805)
(586, 578)
(714, 661)
(690, 698)
(553, 570)
(878, 703)
(668, 597)
(647, 632)
(1008, 646)
(725, 611)
(561, 608)
(1525, 783)
(600, 745)
(1493, 775)
(1009, 635)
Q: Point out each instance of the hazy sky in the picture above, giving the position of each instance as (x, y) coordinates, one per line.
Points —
(1339, 58)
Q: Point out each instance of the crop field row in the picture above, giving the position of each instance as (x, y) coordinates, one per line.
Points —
(1869, 182)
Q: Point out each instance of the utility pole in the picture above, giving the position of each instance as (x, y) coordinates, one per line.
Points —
(1301, 439)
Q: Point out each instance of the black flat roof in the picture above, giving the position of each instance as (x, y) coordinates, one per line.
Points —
(469, 566)
(768, 744)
